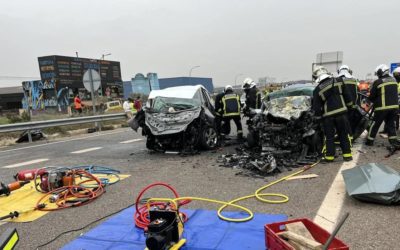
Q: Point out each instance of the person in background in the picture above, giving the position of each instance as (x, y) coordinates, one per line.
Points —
(127, 107)
(78, 103)
(137, 104)
(384, 95)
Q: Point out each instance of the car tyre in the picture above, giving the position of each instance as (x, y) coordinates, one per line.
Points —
(209, 138)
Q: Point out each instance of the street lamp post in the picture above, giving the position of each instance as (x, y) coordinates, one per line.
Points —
(236, 77)
(190, 72)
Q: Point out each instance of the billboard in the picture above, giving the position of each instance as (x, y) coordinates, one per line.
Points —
(330, 60)
(68, 71)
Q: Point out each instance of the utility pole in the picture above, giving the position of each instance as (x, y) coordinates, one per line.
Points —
(190, 72)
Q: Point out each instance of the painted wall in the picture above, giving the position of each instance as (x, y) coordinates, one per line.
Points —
(41, 95)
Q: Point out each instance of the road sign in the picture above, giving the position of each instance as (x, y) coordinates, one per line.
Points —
(393, 66)
(91, 75)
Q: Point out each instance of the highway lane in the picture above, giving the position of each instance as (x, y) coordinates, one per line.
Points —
(194, 175)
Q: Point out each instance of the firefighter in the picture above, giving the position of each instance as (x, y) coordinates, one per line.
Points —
(351, 86)
(218, 115)
(384, 95)
(396, 75)
(329, 104)
(253, 95)
(231, 109)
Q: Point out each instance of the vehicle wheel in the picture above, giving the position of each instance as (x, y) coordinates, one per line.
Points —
(252, 139)
(209, 138)
(150, 142)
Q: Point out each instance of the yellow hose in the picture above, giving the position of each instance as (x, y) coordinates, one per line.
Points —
(258, 195)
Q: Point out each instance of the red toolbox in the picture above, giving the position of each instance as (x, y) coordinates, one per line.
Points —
(274, 242)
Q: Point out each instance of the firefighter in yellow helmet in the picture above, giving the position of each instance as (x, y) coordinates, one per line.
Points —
(231, 109)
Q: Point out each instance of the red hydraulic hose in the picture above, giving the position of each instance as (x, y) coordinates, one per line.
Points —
(141, 216)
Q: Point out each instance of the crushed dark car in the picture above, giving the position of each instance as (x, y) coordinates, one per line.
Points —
(178, 119)
(286, 127)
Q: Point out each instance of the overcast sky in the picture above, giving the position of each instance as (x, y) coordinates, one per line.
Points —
(225, 37)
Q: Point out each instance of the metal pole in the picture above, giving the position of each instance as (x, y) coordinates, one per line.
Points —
(92, 94)
(190, 73)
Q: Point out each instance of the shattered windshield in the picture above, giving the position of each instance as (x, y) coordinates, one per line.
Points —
(171, 104)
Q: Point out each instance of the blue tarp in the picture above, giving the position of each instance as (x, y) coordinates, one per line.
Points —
(203, 231)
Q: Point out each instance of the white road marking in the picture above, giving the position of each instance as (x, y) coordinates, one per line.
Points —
(56, 142)
(86, 150)
(130, 141)
(25, 163)
(328, 213)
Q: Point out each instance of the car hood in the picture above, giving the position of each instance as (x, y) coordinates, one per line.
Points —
(170, 122)
(288, 108)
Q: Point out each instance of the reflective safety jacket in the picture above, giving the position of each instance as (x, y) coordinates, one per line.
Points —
(231, 105)
(330, 98)
(253, 98)
(384, 94)
(351, 86)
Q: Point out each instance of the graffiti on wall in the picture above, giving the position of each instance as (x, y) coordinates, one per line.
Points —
(40, 95)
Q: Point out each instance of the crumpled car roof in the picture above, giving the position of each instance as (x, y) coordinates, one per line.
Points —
(288, 108)
(294, 90)
(176, 92)
(373, 183)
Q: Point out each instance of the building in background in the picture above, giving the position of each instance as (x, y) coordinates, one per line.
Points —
(141, 84)
(10, 98)
(144, 84)
(67, 72)
(182, 81)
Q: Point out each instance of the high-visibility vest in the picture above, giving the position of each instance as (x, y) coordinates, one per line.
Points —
(231, 104)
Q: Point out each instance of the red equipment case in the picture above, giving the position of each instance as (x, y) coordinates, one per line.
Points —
(274, 242)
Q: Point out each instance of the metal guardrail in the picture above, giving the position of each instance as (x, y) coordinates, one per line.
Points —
(28, 126)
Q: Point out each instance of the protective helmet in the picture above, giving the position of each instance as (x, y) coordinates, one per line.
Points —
(247, 83)
(345, 71)
(382, 70)
(319, 70)
(228, 87)
(396, 71)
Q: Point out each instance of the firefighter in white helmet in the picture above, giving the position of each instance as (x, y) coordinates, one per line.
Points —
(253, 95)
(384, 95)
(351, 85)
(329, 105)
(396, 75)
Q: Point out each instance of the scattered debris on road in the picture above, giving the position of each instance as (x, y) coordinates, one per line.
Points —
(36, 135)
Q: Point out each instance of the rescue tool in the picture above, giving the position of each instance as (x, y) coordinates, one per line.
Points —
(7, 189)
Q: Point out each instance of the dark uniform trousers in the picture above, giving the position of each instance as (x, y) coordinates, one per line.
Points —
(332, 125)
(388, 116)
(237, 121)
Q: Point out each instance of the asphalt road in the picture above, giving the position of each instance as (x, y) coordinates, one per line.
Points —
(368, 227)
